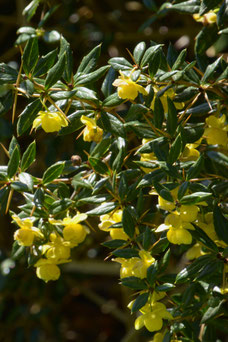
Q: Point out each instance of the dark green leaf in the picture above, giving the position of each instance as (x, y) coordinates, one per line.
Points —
(28, 156)
(148, 55)
(30, 10)
(126, 253)
(182, 190)
(211, 312)
(128, 222)
(114, 243)
(112, 124)
(27, 179)
(191, 6)
(172, 117)
(55, 73)
(180, 60)
(158, 113)
(164, 287)
(202, 237)
(60, 206)
(17, 251)
(7, 74)
(196, 197)
(210, 70)
(53, 172)
(28, 115)
(98, 165)
(45, 63)
(13, 162)
(31, 55)
(196, 168)
(101, 148)
(89, 62)
(139, 51)
(112, 100)
(152, 273)
(134, 283)
(120, 63)
(6, 103)
(140, 301)
(175, 150)
(107, 87)
(221, 224)
(207, 5)
(104, 208)
(85, 79)
(154, 63)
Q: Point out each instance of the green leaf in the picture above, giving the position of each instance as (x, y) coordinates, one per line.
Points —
(163, 192)
(164, 287)
(207, 5)
(175, 150)
(205, 38)
(191, 133)
(28, 115)
(28, 156)
(148, 55)
(6, 102)
(86, 94)
(172, 117)
(139, 51)
(53, 172)
(149, 179)
(191, 6)
(120, 63)
(134, 283)
(212, 312)
(45, 63)
(182, 190)
(107, 87)
(180, 60)
(30, 10)
(17, 251)
(30, 56)
(98, 165)
(196, 168)
(27, 179)
(196, 197)
(126, 253)
(202, 237)
(128, 221)
(94, 199)
(47, 15)
(221, 224)
(89, 62)
(13, 144)
(114, 243)
(26, 29)
(39, 198)
(152, 273)
(222, 14)
(55, 73)
(123, 187)
(158, 113)
(104, 208)
(112, 100)
(210, 70)
(101, 148)
(85, 79)
(13, 162)
(65, 49)
(155, 62)
(140, 301)
(141, 129)
(60, 206)
(7, 74)
(112, 124)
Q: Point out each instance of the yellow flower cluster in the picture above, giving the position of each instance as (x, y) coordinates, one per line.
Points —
(128, 89)
(178, 222)
(108, 220)
(50, 121)
(136, 266)
(190, 151)
(91, 132)
(216, 131)
(152, 314)
(205, 222)
(57, 250)
(208, 18)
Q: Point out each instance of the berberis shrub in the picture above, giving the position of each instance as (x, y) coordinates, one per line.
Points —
(154, 177)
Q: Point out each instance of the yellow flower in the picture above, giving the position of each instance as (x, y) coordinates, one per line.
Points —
(152, 316)
(177, 229)
(27, 233)
(73, 232)
(216, 132)
(108, 220)
(57, 248)
(128, 89)
(136, 266)
(190, 152)
(50, 121)
(147, 157)
(194, 252)
(46, 270)
(168, 93)
(208, 18)
(91, 132)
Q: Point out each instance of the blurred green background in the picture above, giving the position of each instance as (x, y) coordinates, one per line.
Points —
(86, 303)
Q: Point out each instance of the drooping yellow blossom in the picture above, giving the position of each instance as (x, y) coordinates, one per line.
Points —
(108, 220)
(91, 132)
(73, 232)
(136, 266)
(27, 233)
(47, 270)
(177, 229)
(152, 316)
(190, 151)
(194, 252)
(50, 121)
(57, 248)
(208, 18)
(128, 89)
(216, 131)
(168, 93)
